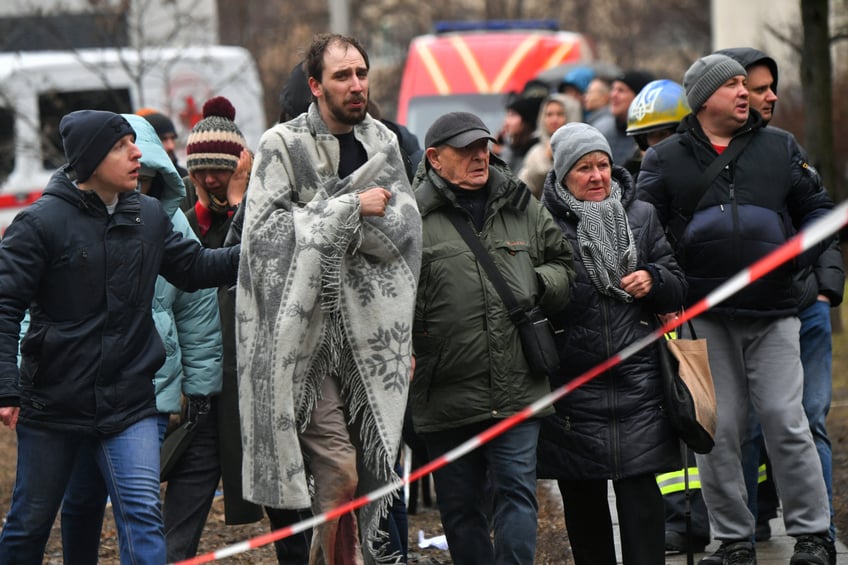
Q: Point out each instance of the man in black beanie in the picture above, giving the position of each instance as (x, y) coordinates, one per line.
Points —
(167, 134)
(83, 260)
(729, 191)
(518, 134)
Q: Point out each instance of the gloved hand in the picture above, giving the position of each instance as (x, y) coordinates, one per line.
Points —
(198, 405)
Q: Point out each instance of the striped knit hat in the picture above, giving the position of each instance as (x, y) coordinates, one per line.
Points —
(215, 142)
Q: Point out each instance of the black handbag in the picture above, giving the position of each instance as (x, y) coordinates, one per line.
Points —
(689, 394)
(534, 328)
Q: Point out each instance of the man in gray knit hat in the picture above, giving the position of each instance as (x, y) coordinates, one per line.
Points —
(727, 190)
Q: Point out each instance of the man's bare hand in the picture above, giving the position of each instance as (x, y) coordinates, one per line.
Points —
(9, 416)
(373, 202)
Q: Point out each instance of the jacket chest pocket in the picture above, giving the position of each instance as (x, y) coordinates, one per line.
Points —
(131, 272)
(515, 262)
(74, 283)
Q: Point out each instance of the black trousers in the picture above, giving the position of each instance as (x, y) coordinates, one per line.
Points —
(640, 517)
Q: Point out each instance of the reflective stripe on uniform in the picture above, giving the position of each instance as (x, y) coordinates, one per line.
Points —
(676, 481)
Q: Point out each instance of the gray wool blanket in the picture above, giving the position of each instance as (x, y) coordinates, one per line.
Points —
(323, 291)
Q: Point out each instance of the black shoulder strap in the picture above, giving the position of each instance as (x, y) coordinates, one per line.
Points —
(689, 201)
(516, 312)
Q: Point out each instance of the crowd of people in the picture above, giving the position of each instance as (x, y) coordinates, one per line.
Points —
(276, 320)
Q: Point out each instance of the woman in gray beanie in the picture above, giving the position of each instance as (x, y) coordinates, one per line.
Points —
(613, 427)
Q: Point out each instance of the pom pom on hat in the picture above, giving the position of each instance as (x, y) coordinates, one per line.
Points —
(215, 142)
(88, 135)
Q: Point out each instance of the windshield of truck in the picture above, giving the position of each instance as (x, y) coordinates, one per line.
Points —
(424, 110)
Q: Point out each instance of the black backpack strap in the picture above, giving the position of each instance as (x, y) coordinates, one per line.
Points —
(690, 200)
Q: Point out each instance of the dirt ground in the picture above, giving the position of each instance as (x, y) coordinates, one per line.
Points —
(552, 539)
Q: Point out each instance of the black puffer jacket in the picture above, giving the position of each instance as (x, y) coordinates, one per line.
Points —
(752, 207)
(92, 350)
(613, 426)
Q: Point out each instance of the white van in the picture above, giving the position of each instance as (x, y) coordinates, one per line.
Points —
(38, 88)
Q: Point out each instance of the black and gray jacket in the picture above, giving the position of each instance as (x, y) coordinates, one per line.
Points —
(613, 426)
(88, 277)
(757, 203)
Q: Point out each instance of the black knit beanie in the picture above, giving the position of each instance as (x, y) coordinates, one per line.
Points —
(160, 122)
(88, 135)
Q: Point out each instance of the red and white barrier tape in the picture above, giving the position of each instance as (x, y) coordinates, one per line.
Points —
(816, 232)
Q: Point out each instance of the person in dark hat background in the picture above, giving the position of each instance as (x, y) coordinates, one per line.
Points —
(470, 370)
(83, 260)
(167, 133)
(296, 96)
(624, 89)
(518, 133)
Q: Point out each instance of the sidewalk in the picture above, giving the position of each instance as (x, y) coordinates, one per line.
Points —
(776, 551)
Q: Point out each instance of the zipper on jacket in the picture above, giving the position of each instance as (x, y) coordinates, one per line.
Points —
(613, 417)
(734, 208)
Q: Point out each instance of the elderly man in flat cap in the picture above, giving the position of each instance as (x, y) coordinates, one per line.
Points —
(470, 369)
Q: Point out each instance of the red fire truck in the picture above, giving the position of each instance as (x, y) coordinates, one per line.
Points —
(472, 66)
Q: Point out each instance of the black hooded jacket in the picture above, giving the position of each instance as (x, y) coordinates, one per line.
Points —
(827, 276)
(88, 278)
(756, 204)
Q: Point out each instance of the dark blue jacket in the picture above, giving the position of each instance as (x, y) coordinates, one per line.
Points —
(92, 350)
(613, 426)
(753, 206)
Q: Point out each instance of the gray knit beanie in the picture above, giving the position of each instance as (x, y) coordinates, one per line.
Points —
(706, 75)
(571, 142)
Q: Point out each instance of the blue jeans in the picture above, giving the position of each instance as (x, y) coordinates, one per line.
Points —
(84, 504)
(816, 358)
(497, 479)
(129, 463)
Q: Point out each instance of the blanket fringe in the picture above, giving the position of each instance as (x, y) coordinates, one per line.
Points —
(348, 234)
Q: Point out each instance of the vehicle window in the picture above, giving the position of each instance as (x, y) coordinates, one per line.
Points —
(7, 143)
(424, 110)
(53, 104)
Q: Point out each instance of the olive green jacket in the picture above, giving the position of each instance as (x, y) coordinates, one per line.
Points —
(469, 363)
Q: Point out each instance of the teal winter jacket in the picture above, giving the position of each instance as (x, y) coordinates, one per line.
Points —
(188, 322)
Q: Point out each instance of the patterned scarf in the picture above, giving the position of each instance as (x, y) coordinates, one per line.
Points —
(605, 240)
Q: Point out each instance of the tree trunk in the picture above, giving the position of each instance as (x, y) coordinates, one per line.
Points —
(816, 80)
(816, 83)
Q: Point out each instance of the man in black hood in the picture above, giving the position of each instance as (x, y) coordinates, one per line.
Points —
(762, 78)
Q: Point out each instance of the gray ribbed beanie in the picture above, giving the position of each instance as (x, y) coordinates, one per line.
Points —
(707, 74)
(571, 142)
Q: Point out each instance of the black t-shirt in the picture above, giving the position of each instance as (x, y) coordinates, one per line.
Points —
(352, 154)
